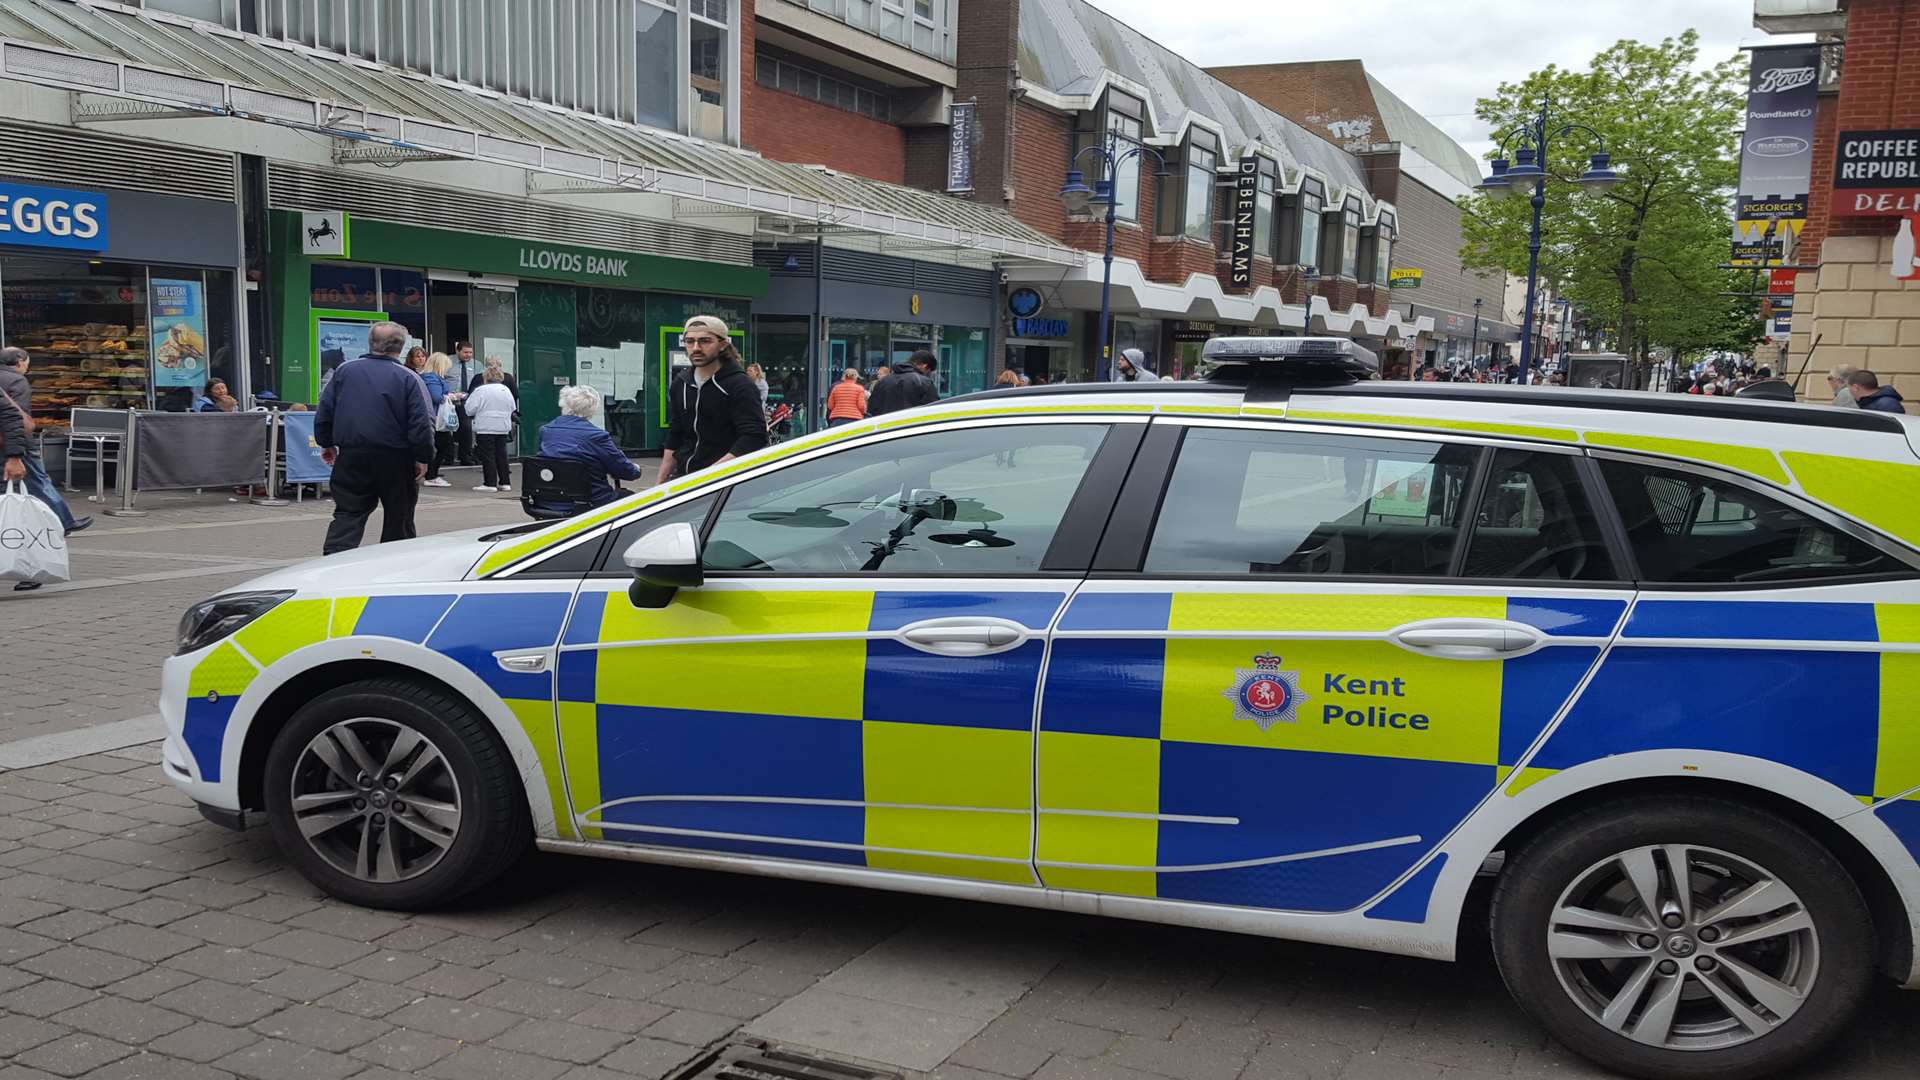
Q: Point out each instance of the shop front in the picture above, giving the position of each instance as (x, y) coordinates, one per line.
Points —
(872, 310)
(552, 314)
(124, 299)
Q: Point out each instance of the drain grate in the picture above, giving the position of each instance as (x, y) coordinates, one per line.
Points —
(755, 1059)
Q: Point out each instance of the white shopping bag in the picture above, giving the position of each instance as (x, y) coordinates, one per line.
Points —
(33, 546)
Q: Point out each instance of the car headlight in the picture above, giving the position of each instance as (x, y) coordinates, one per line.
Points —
(210, 620)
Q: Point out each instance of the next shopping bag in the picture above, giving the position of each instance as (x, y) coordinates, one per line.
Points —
(33, 546)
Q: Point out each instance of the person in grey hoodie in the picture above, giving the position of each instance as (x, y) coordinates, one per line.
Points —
(1131, 366)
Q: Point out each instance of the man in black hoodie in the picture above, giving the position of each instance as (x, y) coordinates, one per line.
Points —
(908, 387)
(715, 410)
(1870, 395)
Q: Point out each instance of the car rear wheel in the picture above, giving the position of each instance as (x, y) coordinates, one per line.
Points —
(392, 794)
(1683, 938)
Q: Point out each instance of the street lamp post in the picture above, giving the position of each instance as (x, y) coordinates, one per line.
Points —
(1532, 140)
(1077, 197)
(1473, 350)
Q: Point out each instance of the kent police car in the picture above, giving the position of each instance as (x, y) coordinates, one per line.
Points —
(1285, 652)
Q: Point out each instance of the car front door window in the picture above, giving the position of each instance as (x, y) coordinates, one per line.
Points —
(967, 502)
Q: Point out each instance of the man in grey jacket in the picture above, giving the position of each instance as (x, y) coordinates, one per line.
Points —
(22, 461)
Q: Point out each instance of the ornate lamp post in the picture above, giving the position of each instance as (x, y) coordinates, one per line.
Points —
(1531, 142)
(1077, 197)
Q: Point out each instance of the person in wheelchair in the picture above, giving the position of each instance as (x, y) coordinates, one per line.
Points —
(573, 436)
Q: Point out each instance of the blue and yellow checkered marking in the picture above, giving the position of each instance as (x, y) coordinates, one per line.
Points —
(1150, 787)
(837, 748)
(1841, 714)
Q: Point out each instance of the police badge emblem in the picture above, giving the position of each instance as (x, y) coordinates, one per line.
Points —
(1265, 694)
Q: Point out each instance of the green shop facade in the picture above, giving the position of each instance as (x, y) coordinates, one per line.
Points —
(553, 314)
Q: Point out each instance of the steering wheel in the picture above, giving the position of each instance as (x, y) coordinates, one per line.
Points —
(1330, 557)
(1580, 551)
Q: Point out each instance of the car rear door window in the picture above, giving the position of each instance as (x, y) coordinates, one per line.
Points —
(1537, 523)
(1265, 502)
(1689, 528)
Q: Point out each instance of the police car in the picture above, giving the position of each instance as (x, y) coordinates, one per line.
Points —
(1285, 652)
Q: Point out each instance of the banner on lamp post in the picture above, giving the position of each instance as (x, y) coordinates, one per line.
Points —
(1776, 151)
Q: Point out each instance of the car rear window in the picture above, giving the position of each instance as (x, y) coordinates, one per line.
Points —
(1688, 528)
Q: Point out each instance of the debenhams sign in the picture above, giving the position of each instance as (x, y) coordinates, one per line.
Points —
(1246, 200)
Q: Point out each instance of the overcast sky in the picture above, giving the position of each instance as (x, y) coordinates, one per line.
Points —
(1438, 57)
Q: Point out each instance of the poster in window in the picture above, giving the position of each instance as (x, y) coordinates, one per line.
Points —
(1401, 489)
(178, 326)
(338, 341)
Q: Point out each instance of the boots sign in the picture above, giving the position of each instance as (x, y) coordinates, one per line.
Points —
(1877, 174)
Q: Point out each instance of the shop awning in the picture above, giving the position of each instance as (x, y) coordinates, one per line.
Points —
(126, 65)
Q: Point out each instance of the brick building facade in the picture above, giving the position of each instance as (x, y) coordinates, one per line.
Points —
(1850, 303)
(1411, 164)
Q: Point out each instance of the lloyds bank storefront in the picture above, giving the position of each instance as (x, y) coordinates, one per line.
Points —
(553, 314)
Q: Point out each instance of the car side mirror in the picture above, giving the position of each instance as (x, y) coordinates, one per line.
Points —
(664, 561)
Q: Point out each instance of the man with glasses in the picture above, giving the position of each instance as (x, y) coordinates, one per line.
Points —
(715, 410)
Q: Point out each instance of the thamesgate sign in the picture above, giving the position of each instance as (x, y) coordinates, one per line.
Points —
(553, 261)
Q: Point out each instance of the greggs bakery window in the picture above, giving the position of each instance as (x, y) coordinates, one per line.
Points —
(107, 335)
(103, 291)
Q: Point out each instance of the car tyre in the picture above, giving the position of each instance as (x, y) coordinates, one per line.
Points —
(1718, 991)
(394, 794)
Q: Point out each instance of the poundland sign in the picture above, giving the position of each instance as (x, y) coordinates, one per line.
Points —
(556, 261)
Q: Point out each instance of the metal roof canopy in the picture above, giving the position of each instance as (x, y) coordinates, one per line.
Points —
(723, 179)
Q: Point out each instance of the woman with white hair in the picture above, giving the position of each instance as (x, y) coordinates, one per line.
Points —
(575, 437)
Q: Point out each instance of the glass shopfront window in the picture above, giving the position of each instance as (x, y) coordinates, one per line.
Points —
(614, 321)
(1142, 335)
(963, 360)
(780, 348)
(85, 324)
(108, 335)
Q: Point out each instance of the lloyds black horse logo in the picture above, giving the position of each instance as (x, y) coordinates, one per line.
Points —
(324, 231)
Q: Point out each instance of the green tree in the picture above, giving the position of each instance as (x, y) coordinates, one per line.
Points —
(1644, 257)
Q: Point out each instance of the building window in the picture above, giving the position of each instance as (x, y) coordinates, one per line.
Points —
(1191, 213)
(777, 71)
(1126, 124)
(1340, 247)
(707, 80)
(1376, 252)
(1263, 207)
(1118, 125)
(658, 100)
(1309, 205)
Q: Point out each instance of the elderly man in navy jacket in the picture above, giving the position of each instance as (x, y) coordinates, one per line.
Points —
(376, 430)
(575, 437)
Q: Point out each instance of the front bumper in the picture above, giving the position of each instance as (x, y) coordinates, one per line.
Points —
(176, 757)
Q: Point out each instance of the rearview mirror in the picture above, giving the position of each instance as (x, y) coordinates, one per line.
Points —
(664, 561)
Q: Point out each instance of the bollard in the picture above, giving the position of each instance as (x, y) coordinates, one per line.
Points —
(128, 451)
(275, 459)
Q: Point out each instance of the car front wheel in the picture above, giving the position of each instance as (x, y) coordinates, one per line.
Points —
(393, 794)
(1683, 938)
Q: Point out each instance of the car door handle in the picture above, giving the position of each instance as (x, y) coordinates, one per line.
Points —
(1467, 639)
(963, 637)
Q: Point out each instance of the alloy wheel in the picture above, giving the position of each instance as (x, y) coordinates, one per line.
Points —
(376, 799)
(1684, 947)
